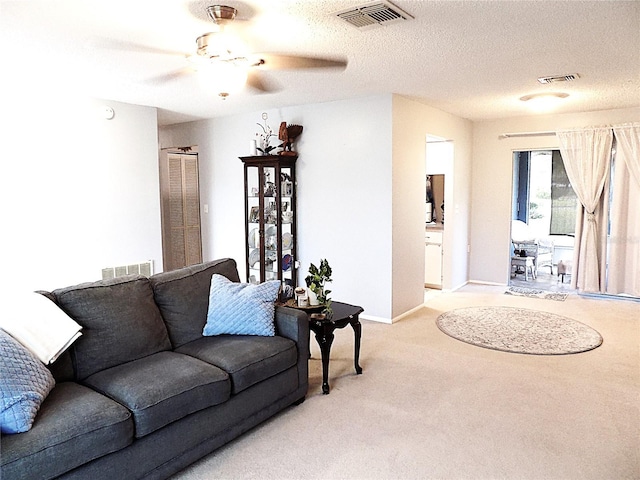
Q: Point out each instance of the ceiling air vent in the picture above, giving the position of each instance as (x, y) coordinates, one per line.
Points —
(559, 78)
(373, 15)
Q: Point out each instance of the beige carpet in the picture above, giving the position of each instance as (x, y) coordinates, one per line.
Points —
(430, 407)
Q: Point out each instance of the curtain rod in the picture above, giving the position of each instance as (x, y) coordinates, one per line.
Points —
(550, 133)
(526, 134)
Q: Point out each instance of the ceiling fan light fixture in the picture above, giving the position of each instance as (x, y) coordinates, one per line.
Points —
(219, 45)
(221, 14)
(224, 65)
(212, 44)
(223, 78)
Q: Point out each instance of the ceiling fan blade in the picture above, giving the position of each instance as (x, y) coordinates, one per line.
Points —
(287, 62)
(169, 76)
(113, 44)
(255, 80)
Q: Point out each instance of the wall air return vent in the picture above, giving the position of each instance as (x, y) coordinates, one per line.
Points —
(559, 78)
(373, 15)
(143, 268)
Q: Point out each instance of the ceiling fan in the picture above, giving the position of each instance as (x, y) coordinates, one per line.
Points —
(226, 69)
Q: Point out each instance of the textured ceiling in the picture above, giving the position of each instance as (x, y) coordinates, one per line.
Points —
(474, 59)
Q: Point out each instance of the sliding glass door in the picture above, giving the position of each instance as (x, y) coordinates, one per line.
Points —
(543, 214)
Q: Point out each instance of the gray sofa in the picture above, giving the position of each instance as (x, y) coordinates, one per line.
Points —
(142, 394)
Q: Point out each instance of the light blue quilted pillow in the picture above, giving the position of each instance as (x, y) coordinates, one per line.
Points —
(241, 308)
(24, 384)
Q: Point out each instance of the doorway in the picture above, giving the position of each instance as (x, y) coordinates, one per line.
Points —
(438, 181)
(542, 222)
(180, 208)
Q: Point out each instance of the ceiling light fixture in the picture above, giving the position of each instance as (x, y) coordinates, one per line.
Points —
(534, 96)
(544, 101)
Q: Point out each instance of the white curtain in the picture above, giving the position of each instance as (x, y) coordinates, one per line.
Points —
(624, 256)
(587, 159)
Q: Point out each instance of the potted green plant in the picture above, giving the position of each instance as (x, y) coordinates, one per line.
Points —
(316, 281)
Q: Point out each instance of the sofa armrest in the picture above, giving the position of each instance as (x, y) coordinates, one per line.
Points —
(294, 324)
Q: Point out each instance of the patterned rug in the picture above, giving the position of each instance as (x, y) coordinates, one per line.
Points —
(519, 330)
(535, 293)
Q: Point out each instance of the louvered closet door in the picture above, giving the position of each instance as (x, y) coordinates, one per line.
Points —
(181, 212)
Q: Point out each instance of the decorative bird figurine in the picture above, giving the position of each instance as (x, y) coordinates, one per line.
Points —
(287, 134)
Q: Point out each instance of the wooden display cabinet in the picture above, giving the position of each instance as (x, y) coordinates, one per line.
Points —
(270, 218)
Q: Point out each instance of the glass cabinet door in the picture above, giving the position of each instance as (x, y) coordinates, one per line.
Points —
(255, 224)
(271, 224)
(286, 252)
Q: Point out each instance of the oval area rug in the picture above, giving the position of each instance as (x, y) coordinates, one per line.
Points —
(519, 330)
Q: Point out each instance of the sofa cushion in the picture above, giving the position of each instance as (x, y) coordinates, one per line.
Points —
(162, 388)
(247, 359)
(24, 384)
(120, 321)
(241, 308)
(183, 297)
(75, 425)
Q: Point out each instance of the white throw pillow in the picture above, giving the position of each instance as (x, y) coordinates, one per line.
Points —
(40, 325)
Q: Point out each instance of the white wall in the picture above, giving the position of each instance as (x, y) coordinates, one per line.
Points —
(492, 181)
(344, 191)
(79, 192)
(412, 122)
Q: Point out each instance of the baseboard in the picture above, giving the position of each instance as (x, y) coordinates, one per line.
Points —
(456, 288)
(407, 313)
(390, 321)
(376, 319)
(482, 282)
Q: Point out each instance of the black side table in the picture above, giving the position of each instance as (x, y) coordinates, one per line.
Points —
(343, 315)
